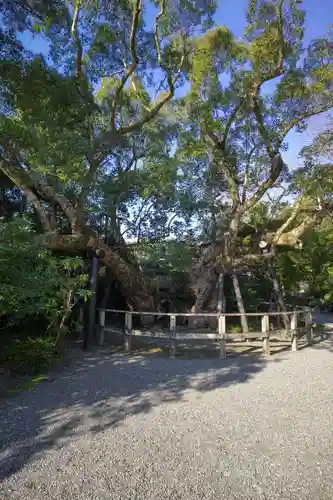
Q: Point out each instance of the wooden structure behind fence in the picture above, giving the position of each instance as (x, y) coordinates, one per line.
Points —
(300, 326)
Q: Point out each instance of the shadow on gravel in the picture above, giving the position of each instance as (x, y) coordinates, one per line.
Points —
(324, 339)
(99, 392)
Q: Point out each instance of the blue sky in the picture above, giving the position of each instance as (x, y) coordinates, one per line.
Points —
(319, 14)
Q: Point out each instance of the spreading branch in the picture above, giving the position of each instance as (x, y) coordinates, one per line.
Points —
(73, 215)
(302, 117)
(23, 181)
(221, 145)
(135, 60)
(228, 125)
(273, 153)
(87, 182)
(170, 77)
(275, 156)
(246, 174)
(274, 174)
(292, 238)
(36, 190)
(78, 44)
(289, 221)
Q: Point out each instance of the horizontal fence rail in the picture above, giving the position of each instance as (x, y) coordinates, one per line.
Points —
(176, 333)
(208, 315)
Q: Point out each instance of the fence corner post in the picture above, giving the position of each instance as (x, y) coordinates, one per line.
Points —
(293, 327)
(309, 329)
(128, 331)
(173, 337)
(266, 346)
(222, 332)
(102, 327)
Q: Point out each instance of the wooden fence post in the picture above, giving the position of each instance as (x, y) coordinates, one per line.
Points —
(172, 337)
(128, 331)
(79, 327)
(102, 327)
(81, 314)
(266, 347)
(293, 326)
(222, 332)
(309, 330)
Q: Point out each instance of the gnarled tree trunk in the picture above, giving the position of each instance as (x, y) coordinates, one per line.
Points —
(221, 300)
(134, 285)
(204, 281)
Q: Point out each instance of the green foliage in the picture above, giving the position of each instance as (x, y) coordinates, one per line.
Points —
(174, 258)
(313, 265)
(213, 44)
(30, 356)
(83, 131)
(235, 329)
(33, 280)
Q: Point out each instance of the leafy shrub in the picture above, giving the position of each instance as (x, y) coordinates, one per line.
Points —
(236, 329)
(30, 356)
(33, 280)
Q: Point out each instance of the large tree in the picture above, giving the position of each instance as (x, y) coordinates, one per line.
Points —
(96, 126)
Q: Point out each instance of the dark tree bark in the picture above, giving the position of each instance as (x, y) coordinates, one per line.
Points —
(221, 301)
(138, 291)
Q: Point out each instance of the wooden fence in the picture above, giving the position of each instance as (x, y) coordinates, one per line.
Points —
(300, 325)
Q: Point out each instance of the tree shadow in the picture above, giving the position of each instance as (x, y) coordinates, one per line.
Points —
(101, 390)
(324, 338)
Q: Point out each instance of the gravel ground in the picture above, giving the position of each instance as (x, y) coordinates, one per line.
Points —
(146, 427)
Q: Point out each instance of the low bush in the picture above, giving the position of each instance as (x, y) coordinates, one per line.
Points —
(36, 283)
(30, 356)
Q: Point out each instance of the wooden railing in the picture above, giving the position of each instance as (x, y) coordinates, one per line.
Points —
(174, 334)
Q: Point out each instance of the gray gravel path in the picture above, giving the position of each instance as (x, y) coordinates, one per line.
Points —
(149, 428)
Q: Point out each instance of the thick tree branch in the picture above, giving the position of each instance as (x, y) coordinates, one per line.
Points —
(221, 144)
(135, 287)
(229, 123)
(53, 195)
(149, 116)
(23, 181)
(276, 160)
(246, 174)
(87, 182)
(275, 171)
(171, 79)
(135, 59)
(275, 156)
(78, 44)
(229, 170)
(264, 134)
(292, 237)
(304, 116)
(289, 221)
(259, 82)
(273, 148)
